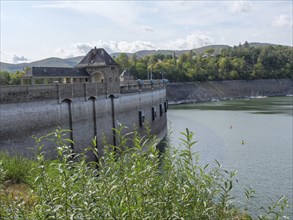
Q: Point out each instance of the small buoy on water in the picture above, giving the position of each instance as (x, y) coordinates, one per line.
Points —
(230, 126)
(242, 142)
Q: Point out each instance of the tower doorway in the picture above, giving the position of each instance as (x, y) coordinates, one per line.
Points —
(98, 77)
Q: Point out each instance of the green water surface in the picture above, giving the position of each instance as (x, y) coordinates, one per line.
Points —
(252, 136)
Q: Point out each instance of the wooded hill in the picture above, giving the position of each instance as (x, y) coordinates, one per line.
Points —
(246, 62)
(213, 62)
(71, 62)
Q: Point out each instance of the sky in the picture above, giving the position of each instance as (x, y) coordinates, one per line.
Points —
(35, 30)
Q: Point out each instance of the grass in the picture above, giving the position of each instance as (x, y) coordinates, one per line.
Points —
(134, 182)
(17, 168)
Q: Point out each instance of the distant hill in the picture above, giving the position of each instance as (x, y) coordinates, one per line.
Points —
(199, 50)
(49, 62)
(71, 62)
(256, 44)
(217, 49)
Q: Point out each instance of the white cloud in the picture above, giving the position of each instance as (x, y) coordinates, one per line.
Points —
(10, 57)
(241, 6)
(6, 57)
(149, 29)
(123, 12)
(19, 59)
(282, 21)
(190, 42)
(129, 26)
(2, 53)
(80, 49)
(150, 10)
(135, 46)
(83, 48)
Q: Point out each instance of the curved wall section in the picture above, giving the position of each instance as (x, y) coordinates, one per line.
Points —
(88, 118)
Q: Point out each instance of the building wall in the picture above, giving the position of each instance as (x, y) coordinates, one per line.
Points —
(110, 76)
(87, 115)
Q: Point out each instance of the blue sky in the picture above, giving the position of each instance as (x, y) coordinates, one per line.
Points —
(34, 30)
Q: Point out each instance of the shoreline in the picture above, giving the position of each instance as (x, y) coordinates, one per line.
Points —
(228, 99)
(213, 91)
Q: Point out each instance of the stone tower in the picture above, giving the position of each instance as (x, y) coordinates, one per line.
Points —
(102, 68)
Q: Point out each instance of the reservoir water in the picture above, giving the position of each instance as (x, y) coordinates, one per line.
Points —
(252, 136)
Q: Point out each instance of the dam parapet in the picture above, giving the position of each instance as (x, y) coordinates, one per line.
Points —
(85, 109)
(59, 92)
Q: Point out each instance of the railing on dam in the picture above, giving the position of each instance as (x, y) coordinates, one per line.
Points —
(142, 85)
(25, 93)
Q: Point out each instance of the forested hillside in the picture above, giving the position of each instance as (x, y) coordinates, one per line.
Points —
(239, 62)
(215, 62)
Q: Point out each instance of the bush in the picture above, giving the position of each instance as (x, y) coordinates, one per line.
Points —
(130, 183)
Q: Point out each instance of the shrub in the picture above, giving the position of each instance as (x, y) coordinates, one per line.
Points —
(133, 182)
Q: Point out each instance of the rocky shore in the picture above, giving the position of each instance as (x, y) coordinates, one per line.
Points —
(189, 92)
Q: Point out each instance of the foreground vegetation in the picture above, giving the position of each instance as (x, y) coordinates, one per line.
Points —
(126, 183)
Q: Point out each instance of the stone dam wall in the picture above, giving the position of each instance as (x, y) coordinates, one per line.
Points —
(86, 109)
(189, 92)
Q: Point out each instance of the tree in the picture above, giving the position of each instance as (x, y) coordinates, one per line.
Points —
(246, 44)
(238, 62)
(15, 78)
(224, 65)
(210, 51)
(4, 77)
(123, 61)
(141, 70)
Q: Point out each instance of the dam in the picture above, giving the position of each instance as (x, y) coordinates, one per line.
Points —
(90, 100)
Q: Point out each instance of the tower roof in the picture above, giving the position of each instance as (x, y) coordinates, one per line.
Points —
(96, 57)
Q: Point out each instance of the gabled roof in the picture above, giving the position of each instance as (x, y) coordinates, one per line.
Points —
(57, 72)
(97, 57)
